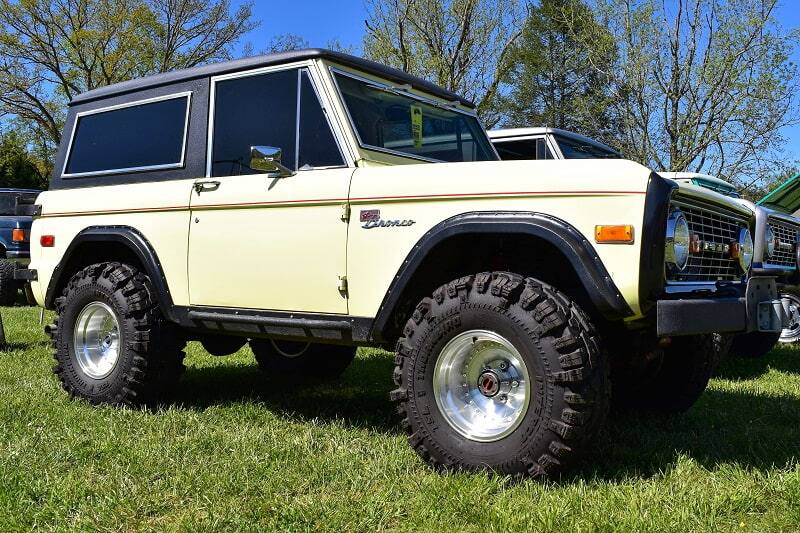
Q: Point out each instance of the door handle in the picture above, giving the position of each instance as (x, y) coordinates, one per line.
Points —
(207, 186)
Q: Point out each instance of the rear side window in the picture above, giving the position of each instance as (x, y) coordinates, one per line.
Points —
(142, 136)
(523, 149)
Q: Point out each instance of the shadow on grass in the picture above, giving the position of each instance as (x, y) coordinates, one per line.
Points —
(782, 358)
(724, 427)
(360, 398)
(12, 346)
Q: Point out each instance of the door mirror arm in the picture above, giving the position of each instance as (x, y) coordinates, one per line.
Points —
(267, 159)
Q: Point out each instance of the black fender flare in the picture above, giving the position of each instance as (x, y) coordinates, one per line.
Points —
(604, 294)
(132, 239)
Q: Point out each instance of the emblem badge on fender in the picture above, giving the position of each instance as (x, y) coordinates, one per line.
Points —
(372, 219)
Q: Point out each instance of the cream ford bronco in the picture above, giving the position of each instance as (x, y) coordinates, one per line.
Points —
(310, 202)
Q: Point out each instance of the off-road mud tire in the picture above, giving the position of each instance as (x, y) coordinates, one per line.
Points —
(687, 365)
(9, 287)
(300, 362)
(560, 347)
(753, 345)
(222, 345)
(151, 352)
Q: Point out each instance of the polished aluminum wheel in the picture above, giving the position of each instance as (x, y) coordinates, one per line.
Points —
(97, 340)
(290, 349)
(481, 385)
(792, 332)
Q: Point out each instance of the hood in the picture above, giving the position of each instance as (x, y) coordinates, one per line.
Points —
(704, 180)
(785, 198)
(690, 187)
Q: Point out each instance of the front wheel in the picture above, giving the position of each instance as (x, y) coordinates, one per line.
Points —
(791, 333)
(497, 371)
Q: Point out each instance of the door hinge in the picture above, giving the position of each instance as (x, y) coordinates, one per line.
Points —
(345, 212)
(343, 284)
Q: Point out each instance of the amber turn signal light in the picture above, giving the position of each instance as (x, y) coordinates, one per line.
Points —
(47, 241)
(614, 234)
(18, 235)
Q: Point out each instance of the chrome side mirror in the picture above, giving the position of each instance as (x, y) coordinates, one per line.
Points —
(268, 159)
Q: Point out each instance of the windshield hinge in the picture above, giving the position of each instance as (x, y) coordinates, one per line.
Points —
(343, 285)
(345, 212)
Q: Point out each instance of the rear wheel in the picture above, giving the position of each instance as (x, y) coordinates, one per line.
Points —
(301, 361)
(9, 287)
(111, 343)
(222, 345)
(791, 333)
(501, 372)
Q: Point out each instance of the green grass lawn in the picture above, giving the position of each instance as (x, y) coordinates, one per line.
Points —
(235, 453)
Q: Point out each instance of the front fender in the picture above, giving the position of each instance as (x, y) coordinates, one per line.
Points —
(593, 275)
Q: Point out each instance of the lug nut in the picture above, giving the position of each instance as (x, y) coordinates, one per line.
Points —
(502, 398)
(503, 365)
(515, 383)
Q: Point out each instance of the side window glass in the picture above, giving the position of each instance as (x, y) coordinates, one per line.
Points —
(517, 150)
(542, 150)
(317, 144)
(256, 110)
(136, 137)
(547, 154)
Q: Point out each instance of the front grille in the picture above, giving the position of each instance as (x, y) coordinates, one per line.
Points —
(711, 225)
(784, 253)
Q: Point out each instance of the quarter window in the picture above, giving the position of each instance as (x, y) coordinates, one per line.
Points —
(270, 110)
(142, 136)
(318, 147)
(523, 149)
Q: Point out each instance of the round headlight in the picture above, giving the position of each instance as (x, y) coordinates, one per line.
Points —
(769, 241)
(745, 249)
(676, 251)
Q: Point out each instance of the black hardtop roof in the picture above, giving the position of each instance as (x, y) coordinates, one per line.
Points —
(249, 63)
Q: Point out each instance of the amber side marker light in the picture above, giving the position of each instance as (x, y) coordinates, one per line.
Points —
(614, 234)
(47, 241)
(18, 235)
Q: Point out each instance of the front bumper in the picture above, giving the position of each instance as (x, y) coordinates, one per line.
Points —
(758, 309)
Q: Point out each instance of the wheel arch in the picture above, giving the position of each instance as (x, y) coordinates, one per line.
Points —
(110, 243)
(556, 239)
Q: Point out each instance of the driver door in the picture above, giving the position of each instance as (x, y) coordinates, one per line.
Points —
(261, 239)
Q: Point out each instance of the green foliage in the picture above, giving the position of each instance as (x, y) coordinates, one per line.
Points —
(557, 80)
(461, 45)
(18, 167)
(703, 85)
(52, 50)
(237, 452)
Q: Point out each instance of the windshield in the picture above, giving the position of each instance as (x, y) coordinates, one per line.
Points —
(717, 187)
(389, 120)
(576, 149)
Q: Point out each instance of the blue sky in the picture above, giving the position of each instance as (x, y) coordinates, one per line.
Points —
(320, 21)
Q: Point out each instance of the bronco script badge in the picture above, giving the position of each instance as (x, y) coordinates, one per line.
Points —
(371, 218)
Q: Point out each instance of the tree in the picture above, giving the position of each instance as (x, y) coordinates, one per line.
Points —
(702, 85)
(18, 166)
(52, 50)
(553, 79)
(462, 45)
